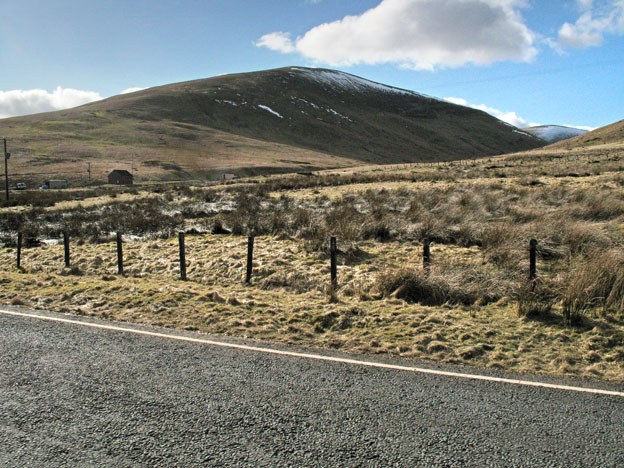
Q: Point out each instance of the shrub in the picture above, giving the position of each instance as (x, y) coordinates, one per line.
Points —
(148, 217)
(12, 222)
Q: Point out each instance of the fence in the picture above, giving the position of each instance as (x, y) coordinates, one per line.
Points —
(333, 254)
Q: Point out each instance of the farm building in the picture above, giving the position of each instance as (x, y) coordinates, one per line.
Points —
(120, 177)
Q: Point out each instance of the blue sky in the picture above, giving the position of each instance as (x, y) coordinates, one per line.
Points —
(528, 62)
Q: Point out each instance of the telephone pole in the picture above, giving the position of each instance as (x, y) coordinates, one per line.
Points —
(6, 169)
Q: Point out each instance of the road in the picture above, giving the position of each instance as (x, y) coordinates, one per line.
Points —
(76, 396)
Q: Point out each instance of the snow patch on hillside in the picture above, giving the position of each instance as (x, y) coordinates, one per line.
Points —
(515, 130)
(268, 109)
(225, 101)
(348, 82)
(309, 103)
(338, 114)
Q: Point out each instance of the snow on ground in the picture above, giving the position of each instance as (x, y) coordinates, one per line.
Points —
(225, 101)
(268, 109)
(349, 82)
(521, 132)
(338, 114)
(309, 103)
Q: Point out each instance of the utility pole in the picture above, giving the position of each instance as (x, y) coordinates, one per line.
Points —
(6, 169)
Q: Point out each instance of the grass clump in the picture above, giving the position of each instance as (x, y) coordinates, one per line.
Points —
(416, 286)
(594, 283)
(534, 299)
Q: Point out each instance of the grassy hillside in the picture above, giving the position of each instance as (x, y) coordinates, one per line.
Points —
(289, 119)
(609, 135)
(159, 150)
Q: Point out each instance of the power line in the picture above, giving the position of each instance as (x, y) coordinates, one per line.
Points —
(551, 71)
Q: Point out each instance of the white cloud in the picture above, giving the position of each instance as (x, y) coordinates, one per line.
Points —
(584, 4)
(278, 41)
(509, 117)
(418, 34)
(131, 90)
(32, 101)
(597, 19)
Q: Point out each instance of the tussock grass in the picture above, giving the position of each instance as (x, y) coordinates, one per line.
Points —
(594, 283)
(471, 320)
(416, 286)
(446, 283)
(474, 306)
(534, 299)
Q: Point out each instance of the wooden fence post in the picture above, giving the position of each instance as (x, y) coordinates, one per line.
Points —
(66, 247)
(19, 249)
(532, 261)
(426, 256)
(182, 256)
(250, 246)
(333, 267)
(120, 269)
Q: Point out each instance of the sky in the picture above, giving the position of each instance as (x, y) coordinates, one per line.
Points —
(526, 62)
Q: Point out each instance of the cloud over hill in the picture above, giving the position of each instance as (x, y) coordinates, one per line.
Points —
(421, 34)
(23, 102)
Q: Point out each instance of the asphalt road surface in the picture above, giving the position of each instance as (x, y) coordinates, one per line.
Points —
(74, 396)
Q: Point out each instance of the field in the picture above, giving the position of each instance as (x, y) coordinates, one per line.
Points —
(474, 306)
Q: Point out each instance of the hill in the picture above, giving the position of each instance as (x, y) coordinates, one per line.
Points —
(554, 133)
(609, 135)
(288, 119)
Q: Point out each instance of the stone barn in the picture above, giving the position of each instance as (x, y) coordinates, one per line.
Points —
(120, 177)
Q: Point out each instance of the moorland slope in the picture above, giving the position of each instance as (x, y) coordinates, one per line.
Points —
(288, 119)
(608, 135)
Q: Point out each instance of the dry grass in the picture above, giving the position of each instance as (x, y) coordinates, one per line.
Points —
(288, 302)
(474, 306)
(594, 283)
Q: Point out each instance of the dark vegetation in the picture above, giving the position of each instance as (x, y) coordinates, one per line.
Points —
(493, 208)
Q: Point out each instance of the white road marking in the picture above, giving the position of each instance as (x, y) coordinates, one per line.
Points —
(318, 357)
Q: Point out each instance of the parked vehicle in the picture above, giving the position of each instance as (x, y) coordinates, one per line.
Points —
(21, 186)
(55, 184)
